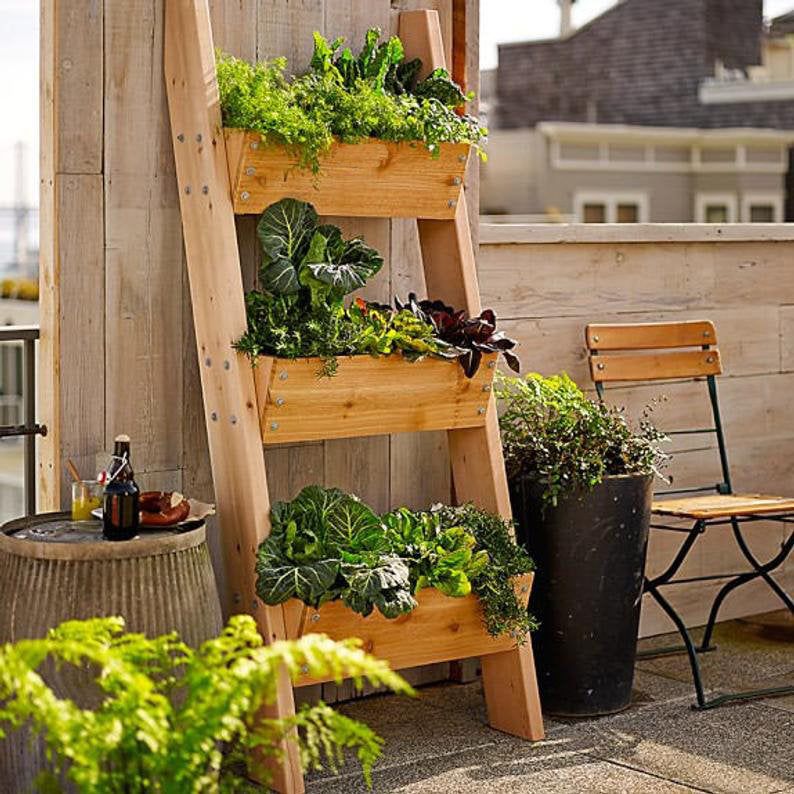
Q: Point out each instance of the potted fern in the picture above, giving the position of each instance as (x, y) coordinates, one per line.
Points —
(166, 718)
(580, 484)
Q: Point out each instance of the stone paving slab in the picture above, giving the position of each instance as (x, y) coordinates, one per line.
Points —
(440, 742)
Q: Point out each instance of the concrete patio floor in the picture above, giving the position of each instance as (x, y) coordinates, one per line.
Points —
(440, 743)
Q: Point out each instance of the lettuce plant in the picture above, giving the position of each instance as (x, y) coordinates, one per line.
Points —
(173, 719)
(328, 545)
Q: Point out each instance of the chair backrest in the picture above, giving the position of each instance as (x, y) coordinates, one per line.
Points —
(637, 352)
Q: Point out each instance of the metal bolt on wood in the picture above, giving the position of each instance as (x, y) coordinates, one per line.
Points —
(245, 195)
(180, 137)
(461, 158)
(254, 145)
(208, 361)
(233, 419)
(214, 416)
(595, 337)
(491, 364)
(707, 333)
(486, 387)
(227, 364)
(279, 401)
(315, 617)
(451, 203)
(481, 411)
(283, 376)
(602, 366)
(237, 598)
(187, 189)
(250, 171)
(205, 189)
(274, 425)
(198, 137)
(456, 180)
(709, 359)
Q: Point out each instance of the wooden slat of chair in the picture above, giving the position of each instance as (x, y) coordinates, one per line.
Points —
(655, 366)
(648, 336)
(723, 506)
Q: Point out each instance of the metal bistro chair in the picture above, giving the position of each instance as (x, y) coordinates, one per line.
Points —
(684, 351)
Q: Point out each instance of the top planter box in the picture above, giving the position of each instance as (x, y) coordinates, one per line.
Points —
(376, 179)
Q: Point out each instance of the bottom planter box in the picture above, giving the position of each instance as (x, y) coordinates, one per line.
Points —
(440, 629)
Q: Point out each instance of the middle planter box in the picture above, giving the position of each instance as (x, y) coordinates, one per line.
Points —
(368, 396)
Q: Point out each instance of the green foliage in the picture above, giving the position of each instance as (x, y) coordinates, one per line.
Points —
(373, 95)
(174, 720)
(307, 270)
(326, 545)
(554, 434)
(502, 612)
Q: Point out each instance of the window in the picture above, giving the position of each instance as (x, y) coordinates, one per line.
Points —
(762, 207)
(607, 207)
(715, 208)
(594, 213)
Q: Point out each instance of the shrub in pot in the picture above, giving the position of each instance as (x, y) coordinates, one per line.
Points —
(580, 484)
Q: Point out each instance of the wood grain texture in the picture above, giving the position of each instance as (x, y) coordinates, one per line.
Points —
(437, 630)
(372, 178)
(655, 366)
(724, 505)
(648, 336)
(367, 396)
(219, 316)
(144, 245)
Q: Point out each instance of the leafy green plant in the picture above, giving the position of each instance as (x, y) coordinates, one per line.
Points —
(176, 720)
(374, 94)
(554, 434)
(307, 270)
(326, 545)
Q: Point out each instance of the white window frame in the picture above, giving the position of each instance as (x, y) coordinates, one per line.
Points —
(610, 199)
(773, 199)
(729, 200)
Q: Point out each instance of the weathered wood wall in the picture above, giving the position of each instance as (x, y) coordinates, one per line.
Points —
(547, 292)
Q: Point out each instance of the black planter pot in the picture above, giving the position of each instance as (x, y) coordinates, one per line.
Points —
(590, 557)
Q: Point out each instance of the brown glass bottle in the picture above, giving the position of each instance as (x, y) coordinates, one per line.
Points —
(120, 510)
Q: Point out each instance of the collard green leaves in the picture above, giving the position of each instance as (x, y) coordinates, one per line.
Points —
(299, 253)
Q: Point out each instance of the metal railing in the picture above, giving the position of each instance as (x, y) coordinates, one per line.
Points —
(29, 429)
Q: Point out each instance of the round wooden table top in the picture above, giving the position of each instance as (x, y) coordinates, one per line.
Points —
(54, 536)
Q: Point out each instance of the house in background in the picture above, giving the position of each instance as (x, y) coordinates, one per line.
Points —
(673, 112)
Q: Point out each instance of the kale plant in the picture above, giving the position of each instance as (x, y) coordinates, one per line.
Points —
(554, 434)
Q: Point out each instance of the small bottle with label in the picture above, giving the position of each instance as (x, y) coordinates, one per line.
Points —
(120, 510)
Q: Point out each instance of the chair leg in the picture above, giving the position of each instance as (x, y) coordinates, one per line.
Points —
(684, 632)
(759, 570)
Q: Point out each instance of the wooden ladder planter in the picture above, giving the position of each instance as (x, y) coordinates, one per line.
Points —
(214, 168)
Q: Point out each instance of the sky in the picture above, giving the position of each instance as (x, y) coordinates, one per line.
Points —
(500, 21)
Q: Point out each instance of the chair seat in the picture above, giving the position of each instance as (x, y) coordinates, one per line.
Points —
(723, 505)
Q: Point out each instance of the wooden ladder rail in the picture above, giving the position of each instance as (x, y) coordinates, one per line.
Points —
(478, 470)
(217, 295)
(230, 405)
